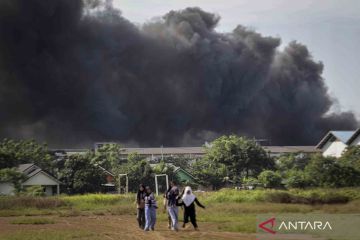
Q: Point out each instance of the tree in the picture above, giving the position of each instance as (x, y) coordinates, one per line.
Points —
(296, 179)
(270, 179)
(351, 157)
(13, 153)
(108, 156)
(328, 172)
(241, 157)
(210, 173)
(13, 176)
(81, 174)
(138, 171)
(297, 161)
(165, 168)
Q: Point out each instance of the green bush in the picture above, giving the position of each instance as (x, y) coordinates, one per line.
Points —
(296, 179)
(329, 172)
(34, 191)
(270, 179)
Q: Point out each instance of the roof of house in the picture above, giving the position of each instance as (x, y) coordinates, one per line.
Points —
(164, 150)
(107, 171)
(201, 150)
(342, 136)
(290, 149)
(31, 170)
(24, 167)
(176, 169)
(353, 137)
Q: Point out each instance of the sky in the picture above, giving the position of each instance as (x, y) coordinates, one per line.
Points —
(330, 29)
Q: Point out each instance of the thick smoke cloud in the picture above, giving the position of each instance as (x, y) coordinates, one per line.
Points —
(72, 74)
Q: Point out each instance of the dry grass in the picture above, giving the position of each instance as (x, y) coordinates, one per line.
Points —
(35, 221)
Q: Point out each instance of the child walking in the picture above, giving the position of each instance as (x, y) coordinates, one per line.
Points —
(150, 210)
(188, 201)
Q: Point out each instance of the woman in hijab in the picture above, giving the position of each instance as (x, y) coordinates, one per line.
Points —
(150, 210)
(188, 200)
(140, 204)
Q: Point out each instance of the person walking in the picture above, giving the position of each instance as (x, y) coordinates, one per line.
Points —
(150, 209)
(188, 201)
(165, 210)
(140, 204)
(172, 198)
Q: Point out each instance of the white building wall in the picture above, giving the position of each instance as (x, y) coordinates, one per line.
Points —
(6, 189)
(333, 149)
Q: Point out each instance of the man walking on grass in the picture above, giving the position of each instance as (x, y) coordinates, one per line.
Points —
(173, 209)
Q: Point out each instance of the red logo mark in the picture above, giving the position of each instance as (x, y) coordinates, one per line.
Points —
(269, 230)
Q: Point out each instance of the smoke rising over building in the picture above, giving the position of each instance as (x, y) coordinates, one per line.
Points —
(75, 73)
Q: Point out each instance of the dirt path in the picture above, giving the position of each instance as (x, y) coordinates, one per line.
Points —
(111, 227)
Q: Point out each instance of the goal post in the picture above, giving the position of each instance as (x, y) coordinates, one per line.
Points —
(124, 175)
(156, 182)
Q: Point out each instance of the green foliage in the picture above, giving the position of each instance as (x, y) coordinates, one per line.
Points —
(296, 179)
(328, 172)
(210, 172)
(241, 157)
(81, 175)
(164, 168)
(293, 161)
(108, 156)
(13, 176)
(138, 170)
(35, 190)
(351, 157)
(270, 179)
(251, 181)
(13, 153)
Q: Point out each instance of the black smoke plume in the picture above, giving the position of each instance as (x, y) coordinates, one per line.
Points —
(72, 73)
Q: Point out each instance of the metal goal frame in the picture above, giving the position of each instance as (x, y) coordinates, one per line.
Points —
(156, 182)
(126, 182)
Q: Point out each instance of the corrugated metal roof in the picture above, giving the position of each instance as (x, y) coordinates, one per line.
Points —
(200, 150)
(291, 149)
(165, 150)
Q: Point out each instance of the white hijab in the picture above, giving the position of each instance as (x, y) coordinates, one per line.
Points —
(188, 199)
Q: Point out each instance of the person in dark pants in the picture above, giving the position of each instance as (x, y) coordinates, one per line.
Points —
(173, 210)
(140, 204)
(188, 201)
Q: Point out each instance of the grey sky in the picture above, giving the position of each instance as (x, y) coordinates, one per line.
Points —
(330, 29)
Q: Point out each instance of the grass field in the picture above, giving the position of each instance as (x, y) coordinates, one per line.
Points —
(229, 214)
